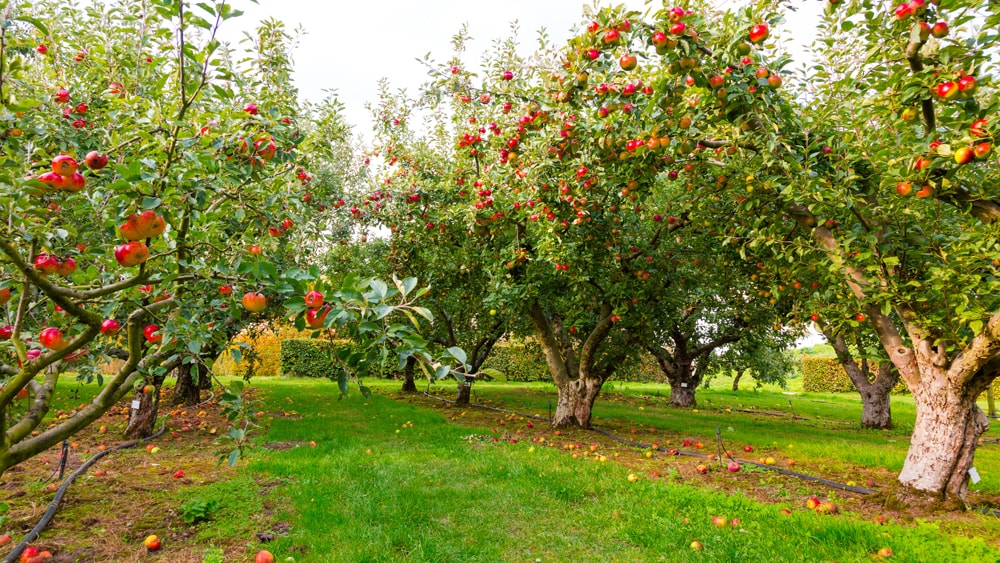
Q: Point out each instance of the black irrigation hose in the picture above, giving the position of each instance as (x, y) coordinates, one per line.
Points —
(54, 505)
(639, 445)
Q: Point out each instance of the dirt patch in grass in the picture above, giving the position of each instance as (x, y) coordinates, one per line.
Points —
(763, 485)
(128, 494)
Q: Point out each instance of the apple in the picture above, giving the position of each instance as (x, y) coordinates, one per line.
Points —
(628, 62)
(4, 295)
(759, 33)
(736, 522)
(75, 182)
(611, 36)
(5, 539)
(152, 334)
(254, 301)
(939, 30)
(720, 522)
(733, 467)
(314, 299)
(150, 224)
(46, 263)
(967, 85)
(131, 253)
(148, 389)
(921, 163)
(66, 267)
(265, 148)
(769, 461)
(827, 507)
(909, 114)
(152, 543)
(812, 503)
(6, 332)
(904, 188)
(64, 165)
(95, 160)
(982, 150)
(264, 556)
(632, 477)
(255, 249)
(678, 28)
(316, 318)
(885, 552)
(42, 49)
(701, 468)
(964, 155)
(860, 317)
(774, 81)
(110, 327)
(507, 75)
(52, 180)
(978, 128)
(250, 108)
(696, 545)
(52, 338)
(947, 90)
(717, 81)
(179, 474)
(749, 449)
(813, 317)
(925, 191)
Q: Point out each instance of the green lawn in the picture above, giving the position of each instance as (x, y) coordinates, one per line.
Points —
(426, 494)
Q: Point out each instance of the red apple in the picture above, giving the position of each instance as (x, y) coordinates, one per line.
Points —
(46, 263)
(265, 148)
(982, 150)
(96, 160)
(52, 338)
(314, 299)
(921, 163)
(152, 543)
(226, 289)
(507, 75)
(733, 467)
(720, 522)
(152, 334)
(759, 33)
(64, 165)
(254, 301)
(678, 28)
(939, 30)
(925, 191)
(264, 556)
(904, 188)
(42, 49)
(717, 81)
(885, 552)
(748, 449)
(315, 318)
(75, 182)
(62, 96)
(696, 545)
(110, 327)
(628, 62)
(131, 253)
(774, 81)
(967, 85)
(255, 249)
(978, 128)
(947, 90)
(52, 180)
(150, 224)
(812, 503)
(611, 36)
(250, 108)
(66, 267)
(701, 468)
(6, 332)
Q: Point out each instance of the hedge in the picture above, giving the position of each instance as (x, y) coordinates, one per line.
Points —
(521, 359)
(265, 340)
(304, 357)
(823, 374)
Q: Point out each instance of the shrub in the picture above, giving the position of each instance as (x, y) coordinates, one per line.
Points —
(521, 359)
(304, 357)
(823, 374)
(265, 343)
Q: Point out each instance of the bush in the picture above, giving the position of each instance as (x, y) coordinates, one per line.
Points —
(304, 357)
(521, 359)
(823, 374)
(265, 343)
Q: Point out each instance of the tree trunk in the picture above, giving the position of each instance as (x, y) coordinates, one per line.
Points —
(142, 421)
(187, 391)
(944, 442)
(736, 380)
(991, 404)
(682, 396)
(464, 394)
(576, 403)
(683, 382)
(409, 386)
(876, 410)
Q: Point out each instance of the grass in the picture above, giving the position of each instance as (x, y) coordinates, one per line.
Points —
(405, 480)
(425, 493)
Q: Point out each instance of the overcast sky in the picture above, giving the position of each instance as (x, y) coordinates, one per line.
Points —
(348, 46)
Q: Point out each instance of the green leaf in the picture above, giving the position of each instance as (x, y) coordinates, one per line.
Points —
(342, 382)
(442, 372)
(151, 202)
(379, 288)
(458, 354)
(234, 456)
(425, 313)
(494, 373)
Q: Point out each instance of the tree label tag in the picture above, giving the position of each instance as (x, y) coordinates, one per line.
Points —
(974, 475)
(684, 384)
(135, 405)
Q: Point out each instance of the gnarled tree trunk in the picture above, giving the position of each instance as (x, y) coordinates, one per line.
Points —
(142, 420)
(876, 407)
(464, 394)
(578, 381)
(680, 363)
(949, 424)
(187, 391)
(736, 380)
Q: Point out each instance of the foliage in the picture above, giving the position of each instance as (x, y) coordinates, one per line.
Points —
(823, 374)
(302, 357)
(240, 409)
(198, 510)
(266, 345)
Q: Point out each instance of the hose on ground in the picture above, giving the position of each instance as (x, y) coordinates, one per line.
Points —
(54, 505)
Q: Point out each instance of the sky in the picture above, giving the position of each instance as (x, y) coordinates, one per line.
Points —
(349, 46)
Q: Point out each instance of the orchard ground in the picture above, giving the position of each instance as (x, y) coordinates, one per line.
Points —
(408, 478)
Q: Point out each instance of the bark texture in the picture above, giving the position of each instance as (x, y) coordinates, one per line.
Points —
(142, 421)
(680, 362)
(464, 394)
(876, 408)
(736, 380)
(187, 391)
